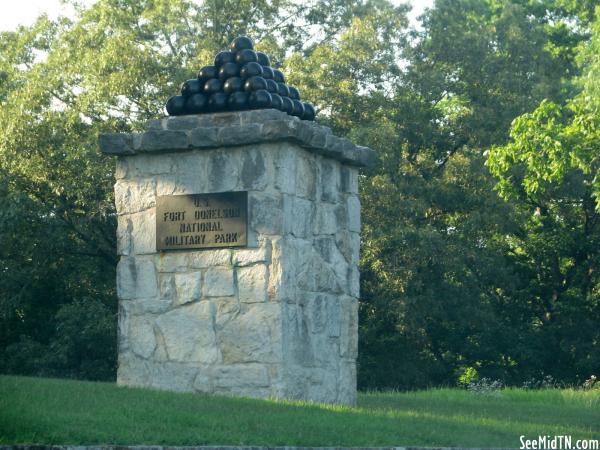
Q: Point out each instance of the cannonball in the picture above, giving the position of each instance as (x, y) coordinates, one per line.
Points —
(245, 56)
(276, 102)
(254, 84)
(259, 99)
(267, 73)
(283, 89)
(251, 69)
(213, 86)
(241, 43)
(195, 104)
(223, 58)
(272, 87)
(287, 105)
(217, 101)
(207, 72)
(238, 101)
(228, 70)
(191, 87)
(263, 59)
(298, 108)
(232, 85)
(309, 112)
(176, 105)
(278, 76)
(294, 94)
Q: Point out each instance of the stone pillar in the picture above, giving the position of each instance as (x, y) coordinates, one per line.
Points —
(278, 318)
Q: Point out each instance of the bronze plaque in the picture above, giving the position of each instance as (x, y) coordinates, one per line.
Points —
(201, 221)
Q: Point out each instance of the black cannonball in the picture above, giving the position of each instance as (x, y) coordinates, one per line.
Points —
(217, 102)
(176, 105)
(278, 76)
(298, 108)
(272, 87)
(228, 70)
(251, 69)
(241, 43)
(276, 102)
(233, 84)
(245, 56)
(283, 90)
(255, 83)
(238, 101)
(191, 87)
(223, 58)
(294, 94)
(287, 105)
(263, 59)
(195, 104)
(207, 72)
(213, 86)
(259, 99)
(309, 112)
(267, 73)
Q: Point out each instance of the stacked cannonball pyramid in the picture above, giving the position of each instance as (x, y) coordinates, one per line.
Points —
(240, 79)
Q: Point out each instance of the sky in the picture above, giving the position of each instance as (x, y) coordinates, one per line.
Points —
(24, 12)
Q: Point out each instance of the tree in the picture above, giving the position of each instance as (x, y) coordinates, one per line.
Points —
(550, 167)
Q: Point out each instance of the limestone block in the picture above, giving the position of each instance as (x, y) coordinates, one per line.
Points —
(253, 174)
(285, 162)
(249, 256)
(227, 309)
(142, 227)
(187, 286)
(240, 375)
(148, 165)
(282, 272)
(354, 281)
(349, 179)
(188, 333)
(306, 176)
(253, 336)
(121, 168)
(149, 305)
(266, 213)
(322, 386)
(141, 336)
(348, 327)
(329, 183)
(124, 228)
(299, 216)
(133, 370)
(172, 376)
(348, 243)
(218, 282)
(327, 216)
(172, 262)
(296, 336)
(223, 172)
(203, 382)
(136, 278)
(353, 205)
(347, 383)
(132, 196)
(252, 283)
(209, 258)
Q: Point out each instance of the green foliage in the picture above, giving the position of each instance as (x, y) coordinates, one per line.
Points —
(81, 413)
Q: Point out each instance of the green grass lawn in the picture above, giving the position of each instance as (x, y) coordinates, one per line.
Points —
(50, 411)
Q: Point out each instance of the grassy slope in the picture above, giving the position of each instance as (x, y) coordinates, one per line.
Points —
(52, 411)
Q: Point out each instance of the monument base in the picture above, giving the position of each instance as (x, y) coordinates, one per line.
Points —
(276, 319)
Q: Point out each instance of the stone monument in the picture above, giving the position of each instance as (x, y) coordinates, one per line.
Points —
(238, 236)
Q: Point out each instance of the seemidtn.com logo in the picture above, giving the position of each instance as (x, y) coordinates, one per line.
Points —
(559, 442)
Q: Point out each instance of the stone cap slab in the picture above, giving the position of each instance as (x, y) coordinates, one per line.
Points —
(205, 131)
